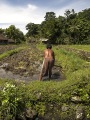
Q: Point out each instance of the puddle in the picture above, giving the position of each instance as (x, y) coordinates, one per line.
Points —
(9, 75)
(56, 75)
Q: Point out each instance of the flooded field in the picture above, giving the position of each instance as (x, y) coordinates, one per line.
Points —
(25, 65)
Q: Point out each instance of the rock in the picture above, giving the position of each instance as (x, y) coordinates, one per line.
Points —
(80, 113)
(38, 95)
(76, 99)
(4, 65)
(31, 114)
(65, 108)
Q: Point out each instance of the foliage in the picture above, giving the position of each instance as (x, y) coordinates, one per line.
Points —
(13, 33)
(11, 97)
(33, 29)
(1, 31)
(72, 28)
(11, 52)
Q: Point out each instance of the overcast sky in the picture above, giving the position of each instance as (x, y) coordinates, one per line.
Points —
(22, 12)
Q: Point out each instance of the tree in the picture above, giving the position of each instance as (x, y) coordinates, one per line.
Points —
(48, 26)
(67, 13)
(2, 31)
(74, 28)
(13, 33)
(49, 16)
(85, 14)
(33, 29)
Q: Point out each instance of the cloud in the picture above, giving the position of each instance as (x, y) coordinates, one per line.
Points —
(34, 11)
(32, 7)
(20, 16)
(14, 14)
(77, 5)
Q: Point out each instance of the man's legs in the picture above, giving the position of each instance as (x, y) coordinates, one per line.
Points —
(51, 63)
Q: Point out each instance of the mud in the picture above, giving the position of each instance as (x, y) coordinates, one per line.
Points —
(4, 48)
(57, 75)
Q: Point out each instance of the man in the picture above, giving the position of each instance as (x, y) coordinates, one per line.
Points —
(48, 62)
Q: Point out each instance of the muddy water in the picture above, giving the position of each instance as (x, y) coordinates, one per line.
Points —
(9, 75)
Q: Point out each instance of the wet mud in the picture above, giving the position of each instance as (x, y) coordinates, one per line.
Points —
(56, 75)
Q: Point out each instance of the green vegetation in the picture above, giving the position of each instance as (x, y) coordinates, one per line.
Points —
(48, 98)
(11, 52)
(80, 47)
(73, 28)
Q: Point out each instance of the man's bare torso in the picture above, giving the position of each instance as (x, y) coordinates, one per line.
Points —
(48, 53)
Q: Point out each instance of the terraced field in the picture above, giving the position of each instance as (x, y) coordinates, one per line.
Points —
(65, 97)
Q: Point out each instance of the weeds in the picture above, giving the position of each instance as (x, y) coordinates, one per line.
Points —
(11, 52)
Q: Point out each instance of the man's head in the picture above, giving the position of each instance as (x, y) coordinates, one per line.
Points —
(49, 46)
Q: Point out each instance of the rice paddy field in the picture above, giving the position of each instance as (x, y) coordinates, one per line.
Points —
(65, 97)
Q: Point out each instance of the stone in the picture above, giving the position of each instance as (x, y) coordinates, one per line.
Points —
(30, 113)
(80, 113)
(76, 99)
(4, 65)
(65, 108)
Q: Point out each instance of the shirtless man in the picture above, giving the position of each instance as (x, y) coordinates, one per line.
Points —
(48, 63)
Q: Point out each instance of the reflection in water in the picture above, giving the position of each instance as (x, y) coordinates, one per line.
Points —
(10, 75)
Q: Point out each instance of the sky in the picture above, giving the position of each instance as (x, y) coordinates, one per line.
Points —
(22, 12)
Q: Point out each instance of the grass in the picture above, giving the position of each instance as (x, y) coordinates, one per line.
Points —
(37, 94)
(70, 62)
(10, 52)
(80, 47)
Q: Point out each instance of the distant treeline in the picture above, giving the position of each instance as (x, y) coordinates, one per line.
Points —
(73, 28)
